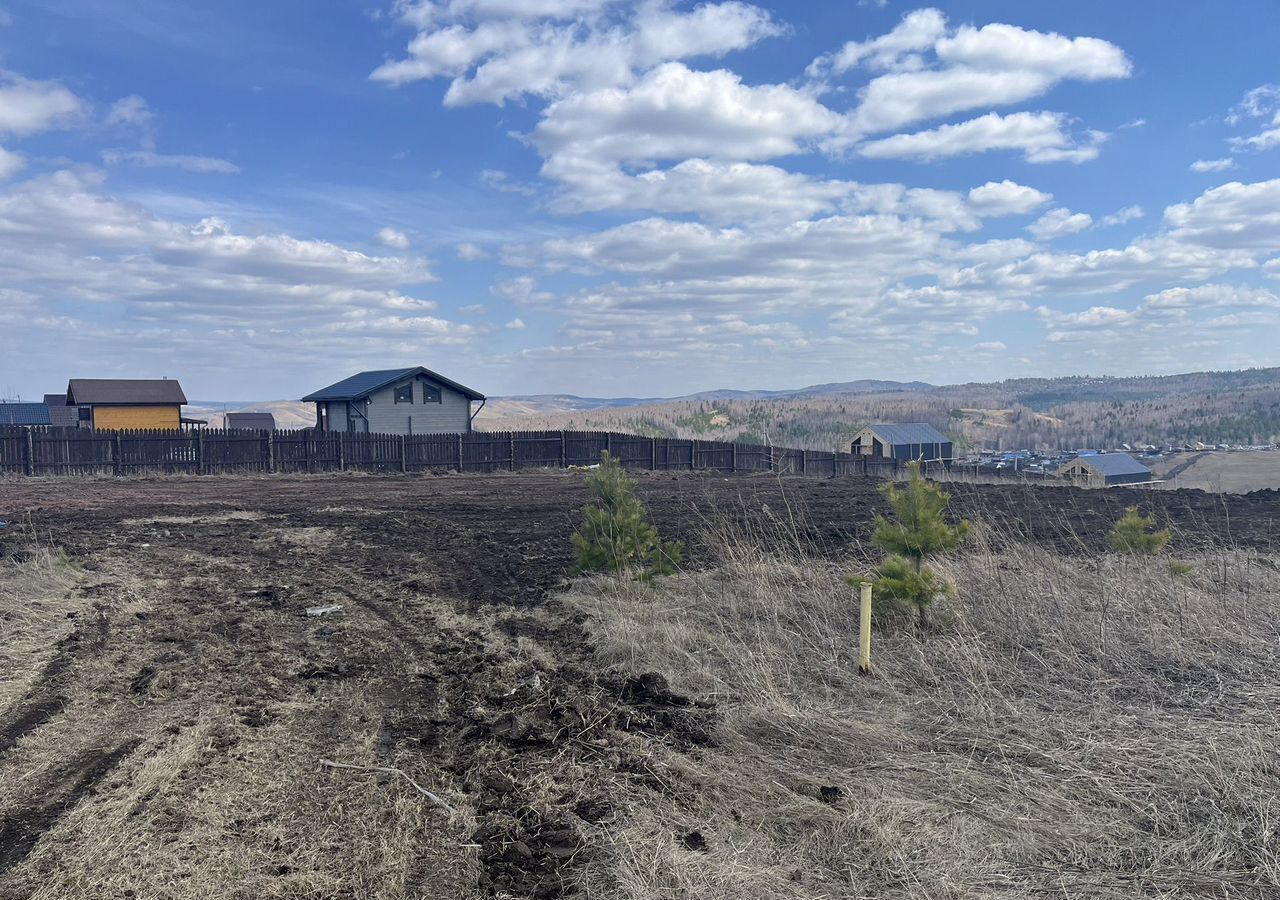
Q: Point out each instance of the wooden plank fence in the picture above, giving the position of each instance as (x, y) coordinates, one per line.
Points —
(43, 450)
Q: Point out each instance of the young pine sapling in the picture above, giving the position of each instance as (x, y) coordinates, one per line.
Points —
(616, 534)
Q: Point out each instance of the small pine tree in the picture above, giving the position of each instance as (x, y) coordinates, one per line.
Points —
(616, 534)
(899, 586)
(917, 531)
(1135, 534)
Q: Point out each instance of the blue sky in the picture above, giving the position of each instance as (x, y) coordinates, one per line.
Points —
(607, 197)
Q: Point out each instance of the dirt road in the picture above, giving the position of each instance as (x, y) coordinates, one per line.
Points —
(166, 736)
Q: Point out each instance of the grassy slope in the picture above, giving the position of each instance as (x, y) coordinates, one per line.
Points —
(1069, 729)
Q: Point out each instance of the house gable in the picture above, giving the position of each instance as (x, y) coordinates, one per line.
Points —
(419, 404)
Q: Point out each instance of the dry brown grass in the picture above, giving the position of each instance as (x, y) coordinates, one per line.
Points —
(216, 794)
(36, 606)
(1069, 728)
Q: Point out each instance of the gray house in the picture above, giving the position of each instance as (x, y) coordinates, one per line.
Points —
(1105, 469)
(395, 401)
(904, 442)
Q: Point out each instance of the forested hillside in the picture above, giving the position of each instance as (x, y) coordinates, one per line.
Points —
(1215, 407)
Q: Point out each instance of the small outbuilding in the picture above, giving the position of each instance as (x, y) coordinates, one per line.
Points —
(253, 421)
(395, 401)
(61, 414)
(904, 442)
(24, 414)
(1105, 469)
(116, 403)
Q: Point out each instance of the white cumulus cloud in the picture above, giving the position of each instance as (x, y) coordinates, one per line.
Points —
(492, 53)
(933, 73)
(29, 107)
(1213, 165)
(1122, 216)
(1058, 223)
(1006, 198)
(393, 238)
(1042, 137)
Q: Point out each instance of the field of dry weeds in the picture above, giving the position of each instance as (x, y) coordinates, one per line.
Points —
(1074, 725)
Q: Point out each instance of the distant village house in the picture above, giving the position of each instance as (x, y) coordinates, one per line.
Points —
(904, 442)
(120, 403)
(18, 413)
(61, 414)
(254, 421)
(395, 401)
(1105, 469)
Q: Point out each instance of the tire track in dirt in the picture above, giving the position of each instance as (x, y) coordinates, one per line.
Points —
(73, 779)
(29, 716)
(44, 702)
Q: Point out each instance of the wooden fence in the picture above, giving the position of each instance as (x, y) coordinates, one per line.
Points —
(41, 450)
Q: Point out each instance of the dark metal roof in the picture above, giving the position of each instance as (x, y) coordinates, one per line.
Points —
(59, 412)
(362, 384)
(914, 433)
(260, 421)
(125, 391)
(24, 414)
(1108, 464)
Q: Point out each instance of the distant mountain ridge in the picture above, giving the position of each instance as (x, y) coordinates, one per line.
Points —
(542, 403)
(1237, 406)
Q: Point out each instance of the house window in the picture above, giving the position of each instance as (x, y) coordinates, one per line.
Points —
(85, 413)
(430, 393)
(404, 393)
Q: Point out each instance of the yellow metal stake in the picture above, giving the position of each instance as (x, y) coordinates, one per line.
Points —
(864, 626)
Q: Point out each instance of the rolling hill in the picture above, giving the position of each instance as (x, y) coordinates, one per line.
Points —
(1216, 407)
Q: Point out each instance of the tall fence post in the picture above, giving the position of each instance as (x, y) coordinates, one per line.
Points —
(864, 629)
(733, 457)
(117, 453)
(653, 454)
(564, 459)
(199, 451)
(28, 451)
(404, 461)
(271, 451)
(460, 454)
(512, 458)
(342, 451)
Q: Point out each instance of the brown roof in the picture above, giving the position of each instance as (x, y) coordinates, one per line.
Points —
(126, 391)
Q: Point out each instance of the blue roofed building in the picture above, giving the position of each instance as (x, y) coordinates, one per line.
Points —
(1105, 469)
(904, 442)
(396, 401)
(24, 414)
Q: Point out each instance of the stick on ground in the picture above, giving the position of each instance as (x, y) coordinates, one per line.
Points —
(419, 788)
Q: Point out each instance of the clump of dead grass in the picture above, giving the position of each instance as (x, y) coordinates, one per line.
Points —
(1095, 726)
(36, 596)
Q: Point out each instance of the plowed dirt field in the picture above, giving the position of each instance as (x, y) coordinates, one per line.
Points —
(168, 728)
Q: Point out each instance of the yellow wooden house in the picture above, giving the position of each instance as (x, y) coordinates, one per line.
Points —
(120, 403)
